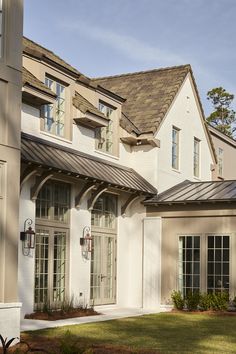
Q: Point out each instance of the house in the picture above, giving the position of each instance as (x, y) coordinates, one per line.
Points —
(225, 148)
(11, 18)
(92, 151)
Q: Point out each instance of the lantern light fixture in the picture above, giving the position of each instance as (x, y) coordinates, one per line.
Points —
(28, 236)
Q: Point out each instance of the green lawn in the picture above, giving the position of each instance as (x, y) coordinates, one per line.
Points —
(166, 333)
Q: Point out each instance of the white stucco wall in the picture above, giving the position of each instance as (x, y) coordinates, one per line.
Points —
(152, 263)
(184, 115)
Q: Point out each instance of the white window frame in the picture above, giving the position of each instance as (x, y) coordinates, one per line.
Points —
(196, 157)
(220, 162)
(105, 140)
(175, 148)
(55, 112)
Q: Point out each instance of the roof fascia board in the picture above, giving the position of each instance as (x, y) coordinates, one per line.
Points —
(201, 113)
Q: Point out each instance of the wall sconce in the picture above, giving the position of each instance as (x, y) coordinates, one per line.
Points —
(28, 235)
(86, 242)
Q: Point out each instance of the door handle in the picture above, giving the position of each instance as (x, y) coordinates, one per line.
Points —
(102, 276)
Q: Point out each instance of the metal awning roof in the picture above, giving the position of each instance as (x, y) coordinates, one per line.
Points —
(65, 160)
(196, 192)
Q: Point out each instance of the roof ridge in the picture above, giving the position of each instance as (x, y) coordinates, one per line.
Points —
(187, 66)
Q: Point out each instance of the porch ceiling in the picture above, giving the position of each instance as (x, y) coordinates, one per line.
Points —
(196, 192)
(65, 160)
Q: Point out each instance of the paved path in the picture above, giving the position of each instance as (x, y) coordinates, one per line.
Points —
(107, 313)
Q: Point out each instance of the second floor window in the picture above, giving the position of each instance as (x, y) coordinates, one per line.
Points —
(196, 157)
(54, 114)
(220, 162)
(105, 135)
(175, 148)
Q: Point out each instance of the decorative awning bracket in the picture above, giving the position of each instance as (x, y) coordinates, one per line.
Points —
(39, 184)
(28, 172)
(95, 196)
(83, 192)
(128, 202)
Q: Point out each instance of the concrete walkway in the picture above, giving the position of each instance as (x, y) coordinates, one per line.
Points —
(107, 313)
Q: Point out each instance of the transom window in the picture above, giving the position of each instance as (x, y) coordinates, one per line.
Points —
(53, 202)
(220, 162)
(196, 157)
(218, 263)
(105, 135)
(105, 211)
(54, 114)
(189, 264)
(175, 148)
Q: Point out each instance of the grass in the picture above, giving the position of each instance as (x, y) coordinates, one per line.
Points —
(165, 333)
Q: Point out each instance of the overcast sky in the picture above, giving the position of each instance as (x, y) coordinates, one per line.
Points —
(108, 37)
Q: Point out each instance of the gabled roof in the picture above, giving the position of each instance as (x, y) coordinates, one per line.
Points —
(196, 192)
(149, 94)
(34, 49)
(61, 159)
(31, 80)
(85, 106)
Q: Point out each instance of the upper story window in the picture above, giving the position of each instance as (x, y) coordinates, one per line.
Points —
(105, 135)
(220, 162)
(175, 148)
(54, 114)
(53, 202)
(196, 157)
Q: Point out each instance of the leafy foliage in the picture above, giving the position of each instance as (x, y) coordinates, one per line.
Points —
(223, 117)
(192, 301)
(177, 299)
(5, 343)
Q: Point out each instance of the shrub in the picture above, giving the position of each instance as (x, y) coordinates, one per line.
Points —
(219, 301)
(177, 299)
(192, 301)
(204, 302)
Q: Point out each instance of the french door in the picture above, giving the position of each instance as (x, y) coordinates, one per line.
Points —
(103, 268)
(50, 266)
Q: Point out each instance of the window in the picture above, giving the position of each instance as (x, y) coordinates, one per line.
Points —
(220, 162)
(218, 263)
(175, 148)
(189, 264)
(105, 135)
(105, 211)
(196, 157)
(54, 114)
(53, 202)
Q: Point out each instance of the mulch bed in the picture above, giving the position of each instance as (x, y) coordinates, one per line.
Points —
(46, 345)
(61, 315)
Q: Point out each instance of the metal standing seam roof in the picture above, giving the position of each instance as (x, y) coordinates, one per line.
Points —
(50, 155)
(190, 192)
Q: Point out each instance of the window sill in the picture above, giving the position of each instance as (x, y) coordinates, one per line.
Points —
(56, 137)
(198, 179)
(174, 170)
(106, 154)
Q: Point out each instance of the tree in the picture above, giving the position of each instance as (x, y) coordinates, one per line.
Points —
(223, 117)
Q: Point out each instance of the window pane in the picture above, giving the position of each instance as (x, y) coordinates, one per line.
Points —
(189, 264)
(105, 135)
(218, 271)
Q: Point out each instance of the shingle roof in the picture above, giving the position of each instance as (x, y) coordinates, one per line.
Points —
(85, 106)
(192, 192)
(32, 48)
(49, 155)
(31, 80)
(149, 94)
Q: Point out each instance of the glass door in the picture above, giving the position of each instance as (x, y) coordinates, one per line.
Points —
(103, 269)
(50, 267)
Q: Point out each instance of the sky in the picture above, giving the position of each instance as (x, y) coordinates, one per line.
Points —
(109, 37)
